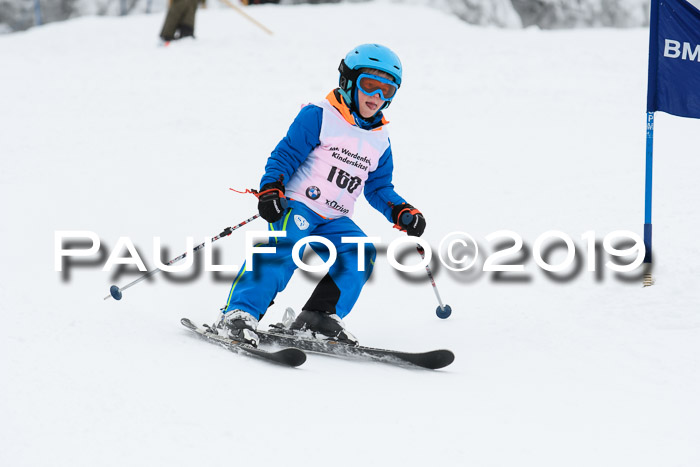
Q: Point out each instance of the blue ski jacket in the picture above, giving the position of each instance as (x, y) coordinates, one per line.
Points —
(303, 137)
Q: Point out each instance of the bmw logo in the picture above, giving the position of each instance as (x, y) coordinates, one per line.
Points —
(313, 192)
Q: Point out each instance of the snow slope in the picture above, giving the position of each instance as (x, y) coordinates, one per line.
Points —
(522, 130)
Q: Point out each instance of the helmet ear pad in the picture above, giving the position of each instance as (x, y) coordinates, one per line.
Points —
(346, 83)
(348, 76)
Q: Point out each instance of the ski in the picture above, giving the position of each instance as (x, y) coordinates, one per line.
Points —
(288, 356)
(431, 360)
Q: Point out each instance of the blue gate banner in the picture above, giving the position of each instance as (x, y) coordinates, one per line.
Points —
(674, 58)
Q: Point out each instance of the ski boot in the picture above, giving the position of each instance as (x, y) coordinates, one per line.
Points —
(326, 324)
(240, 326)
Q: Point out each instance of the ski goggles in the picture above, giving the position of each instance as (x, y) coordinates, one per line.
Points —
(373, 84)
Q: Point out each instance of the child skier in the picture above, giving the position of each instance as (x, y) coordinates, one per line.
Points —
(333, 151)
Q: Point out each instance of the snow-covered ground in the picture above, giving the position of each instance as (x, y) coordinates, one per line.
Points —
(102, 130)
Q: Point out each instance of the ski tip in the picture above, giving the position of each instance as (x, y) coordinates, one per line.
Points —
(439, 359)
(294, 357)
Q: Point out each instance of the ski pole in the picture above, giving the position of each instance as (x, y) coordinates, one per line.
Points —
(443, 311)
(249, 18)
(116, 292)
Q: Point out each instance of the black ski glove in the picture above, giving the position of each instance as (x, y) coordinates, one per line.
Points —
(408, 219)
(271, 201)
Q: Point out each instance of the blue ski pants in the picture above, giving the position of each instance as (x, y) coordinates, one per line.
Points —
(253, 291)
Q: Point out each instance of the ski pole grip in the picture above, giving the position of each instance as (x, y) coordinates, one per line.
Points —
(406, 218)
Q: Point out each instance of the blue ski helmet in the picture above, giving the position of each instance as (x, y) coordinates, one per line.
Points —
(375, 56)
